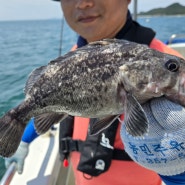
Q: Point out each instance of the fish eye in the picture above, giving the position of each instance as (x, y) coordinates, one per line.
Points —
(172, 65)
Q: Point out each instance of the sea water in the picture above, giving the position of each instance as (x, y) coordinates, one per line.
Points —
(25, 45)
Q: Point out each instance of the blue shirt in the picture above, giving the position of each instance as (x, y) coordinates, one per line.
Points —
(174, 180)
(30, 132)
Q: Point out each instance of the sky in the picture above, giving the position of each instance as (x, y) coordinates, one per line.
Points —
(48, 9)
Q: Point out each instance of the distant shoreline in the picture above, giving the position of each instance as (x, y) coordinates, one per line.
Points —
(175, 9)
(177, 15)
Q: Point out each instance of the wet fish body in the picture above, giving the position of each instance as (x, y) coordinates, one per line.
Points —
(101, 80)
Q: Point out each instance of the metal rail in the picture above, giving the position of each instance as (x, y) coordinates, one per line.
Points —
(179, 37)
(6, 179)
(135, 10)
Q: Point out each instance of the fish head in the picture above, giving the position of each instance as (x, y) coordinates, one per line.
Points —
(153, 74)
(176, 68)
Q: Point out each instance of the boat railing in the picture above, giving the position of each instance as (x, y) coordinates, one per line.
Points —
(176, 38)
(177, 42)
(7, 177)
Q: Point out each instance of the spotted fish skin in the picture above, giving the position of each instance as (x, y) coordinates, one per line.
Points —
(101, 80)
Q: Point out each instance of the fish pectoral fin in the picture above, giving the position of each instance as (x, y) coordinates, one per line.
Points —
(102, 124)
(136, 122)
(43, 122)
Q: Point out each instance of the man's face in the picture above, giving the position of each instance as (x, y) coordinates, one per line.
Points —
(95, 19)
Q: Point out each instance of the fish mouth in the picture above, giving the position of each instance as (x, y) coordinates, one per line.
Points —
(177, 93)
(180, 95)
(182, 85)
(154, 88)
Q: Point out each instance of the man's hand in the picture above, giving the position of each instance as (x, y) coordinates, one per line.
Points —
(162, 149)
(19, 157)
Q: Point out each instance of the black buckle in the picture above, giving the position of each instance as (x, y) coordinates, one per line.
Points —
(68, 145)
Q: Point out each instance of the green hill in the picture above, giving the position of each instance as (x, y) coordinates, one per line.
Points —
(174, 9)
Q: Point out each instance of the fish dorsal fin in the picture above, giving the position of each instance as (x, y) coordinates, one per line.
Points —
(33, 77)
(106, 41)
(43, 122)
(103, 42)
(102, 124)
(136, 122)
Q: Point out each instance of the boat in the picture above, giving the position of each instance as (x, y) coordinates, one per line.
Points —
(42, 165)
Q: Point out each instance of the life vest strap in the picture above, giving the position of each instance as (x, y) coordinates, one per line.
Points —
(68, 145)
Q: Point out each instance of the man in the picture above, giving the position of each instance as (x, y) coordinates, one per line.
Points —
(95, 20)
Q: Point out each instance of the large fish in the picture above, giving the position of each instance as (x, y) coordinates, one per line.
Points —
(101, 80)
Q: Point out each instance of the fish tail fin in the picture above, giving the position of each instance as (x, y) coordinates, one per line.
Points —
(11, 131)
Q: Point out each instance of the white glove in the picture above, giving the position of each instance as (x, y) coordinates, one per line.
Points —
(163, 148)
(19, 157)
